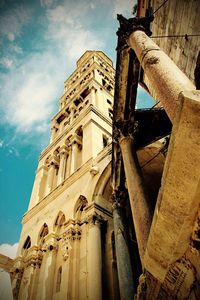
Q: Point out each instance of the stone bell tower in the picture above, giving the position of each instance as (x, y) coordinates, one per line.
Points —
(66, 249)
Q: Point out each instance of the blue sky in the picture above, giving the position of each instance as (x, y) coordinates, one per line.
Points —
(40, 42)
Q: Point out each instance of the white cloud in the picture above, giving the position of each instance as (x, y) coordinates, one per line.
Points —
(11, 36)
(12, 21)
(46, 3)
(66, 27)
(6, 62)
(123, 7)
(9, 250)
(31, 90)
(1, 143)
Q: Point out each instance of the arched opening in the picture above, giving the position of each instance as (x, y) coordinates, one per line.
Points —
(79, 207)
(60, 220)
(43, 232)
(27, 243)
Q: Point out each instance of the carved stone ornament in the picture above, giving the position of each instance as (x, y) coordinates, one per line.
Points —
(95, 219)
(196, 233)
(120, 197)
(65, 249)
(179, 279)
(127, 26)
(73, 233)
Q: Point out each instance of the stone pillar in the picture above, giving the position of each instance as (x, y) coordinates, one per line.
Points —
(65, 246)
(68, 163)
(38, 191)
(53, 133)
(63, 159)
(93, 95)
(178, 201)
(51, 174)
(125, 275)
(17, 273)
(165, 78)
(47, 270)
(72, 113)
(75, 144)
(140, 204)
(94, 259)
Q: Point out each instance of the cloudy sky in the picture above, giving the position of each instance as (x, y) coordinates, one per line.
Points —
(40, 41)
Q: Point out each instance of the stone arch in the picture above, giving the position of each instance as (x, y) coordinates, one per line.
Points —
(26, 245)
(81, 203)
(59, 221)
(103, 186)
(43, 232)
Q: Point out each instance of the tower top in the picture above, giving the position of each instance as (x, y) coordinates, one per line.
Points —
(88, 53)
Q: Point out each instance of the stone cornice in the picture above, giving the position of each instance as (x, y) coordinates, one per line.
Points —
(97, 208)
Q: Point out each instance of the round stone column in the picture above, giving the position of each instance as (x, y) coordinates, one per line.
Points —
(62, 166)
(94, 259)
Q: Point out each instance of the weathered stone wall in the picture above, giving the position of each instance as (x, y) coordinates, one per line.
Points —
(174, 18)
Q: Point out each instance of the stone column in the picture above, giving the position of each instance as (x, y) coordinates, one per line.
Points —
(125, 275)
(51, 174)
(165, 78)
(94, 259)
(17, 273)
(63, 159)
(38, 191)
(47, 270)
(68, 163)
(140, 204)
(75, 143)
(72, 113)
(65, 246)
(53, 133)
(93, 95)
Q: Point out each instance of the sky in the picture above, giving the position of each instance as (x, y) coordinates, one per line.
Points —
(40, 41)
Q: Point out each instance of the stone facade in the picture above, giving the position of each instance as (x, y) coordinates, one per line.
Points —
(66, 241)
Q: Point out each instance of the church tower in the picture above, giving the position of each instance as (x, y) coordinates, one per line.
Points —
(66, 248)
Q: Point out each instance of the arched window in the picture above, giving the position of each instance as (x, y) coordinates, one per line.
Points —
(59, 278)
(44, 231)
(80, 205)
(27, 243)
(60, 220)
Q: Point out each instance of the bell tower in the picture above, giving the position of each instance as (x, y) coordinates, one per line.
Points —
(66, 248)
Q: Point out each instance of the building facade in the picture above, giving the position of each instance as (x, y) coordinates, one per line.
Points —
(66, 248)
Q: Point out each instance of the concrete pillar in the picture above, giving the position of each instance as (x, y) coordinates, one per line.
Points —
(140, 205)
(125, 275)
(94, 260)
(63, 159)
(165, 78)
